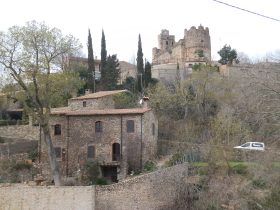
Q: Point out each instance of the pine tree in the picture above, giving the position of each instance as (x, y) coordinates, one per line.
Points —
(111, 73)
(148, 73)
(91, 67)
(103, 55)
(140, 65)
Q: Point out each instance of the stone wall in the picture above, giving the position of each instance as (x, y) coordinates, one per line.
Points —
(8, 149)
(20, 132)
(24, 197)
(156, 190)
(96, 103)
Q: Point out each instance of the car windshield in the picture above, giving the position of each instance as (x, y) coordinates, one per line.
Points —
(245, 145)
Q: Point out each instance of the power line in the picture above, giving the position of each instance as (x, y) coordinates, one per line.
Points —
(255, 13)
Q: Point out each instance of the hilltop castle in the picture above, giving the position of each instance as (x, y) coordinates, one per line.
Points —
(195, 47)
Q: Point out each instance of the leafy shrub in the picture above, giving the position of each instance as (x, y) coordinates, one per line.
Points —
(33, 155)
(101, 181)
(259, 183)
(22, 165)
(2, 140)
(149, 166)
(91, 171)
(174, 159)
(240, 169)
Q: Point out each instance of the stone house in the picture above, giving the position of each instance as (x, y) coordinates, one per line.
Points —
(91, 129)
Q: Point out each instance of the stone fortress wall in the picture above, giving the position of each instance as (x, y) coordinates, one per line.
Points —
(195, 47)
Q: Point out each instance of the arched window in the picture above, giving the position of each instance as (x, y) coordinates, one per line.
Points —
(98, 127)
(153, 129)
(116, 152)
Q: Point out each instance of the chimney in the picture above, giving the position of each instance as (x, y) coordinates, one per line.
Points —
(87, 91)
(146, 102)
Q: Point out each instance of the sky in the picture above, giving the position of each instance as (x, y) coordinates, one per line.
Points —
(124, 20)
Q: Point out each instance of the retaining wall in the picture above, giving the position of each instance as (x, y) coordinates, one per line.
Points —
(153, 191)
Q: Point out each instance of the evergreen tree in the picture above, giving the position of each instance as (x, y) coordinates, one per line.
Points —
(178, 76)
(111, 73)
(91, 67)
(228, 55)
(148, 73)
(140, 65)
(103, 55)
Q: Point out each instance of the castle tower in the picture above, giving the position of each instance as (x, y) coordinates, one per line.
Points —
(165, 41)
(194, 48)
(197, 44)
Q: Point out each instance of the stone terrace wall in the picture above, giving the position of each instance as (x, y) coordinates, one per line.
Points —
(153, 191)
(157, 190)
(20, 132)
(46, 198)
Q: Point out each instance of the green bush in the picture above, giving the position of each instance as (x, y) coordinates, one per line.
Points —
(240, 169)
(101, 181)
(149, 166)
(259, 183)
(2, 140)
(92, 172)
(22, 165)
(33, 155)
(174, 159)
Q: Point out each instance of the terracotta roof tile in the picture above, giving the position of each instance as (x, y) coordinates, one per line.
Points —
(98, 94)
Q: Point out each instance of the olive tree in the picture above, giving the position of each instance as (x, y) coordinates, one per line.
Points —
(30, 54)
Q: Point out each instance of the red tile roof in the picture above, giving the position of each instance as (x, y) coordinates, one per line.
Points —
(68, 112)
(99, 94)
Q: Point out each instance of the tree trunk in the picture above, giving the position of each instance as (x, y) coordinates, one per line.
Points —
(51, 155)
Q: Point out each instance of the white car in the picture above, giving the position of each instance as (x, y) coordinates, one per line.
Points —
(252, 146)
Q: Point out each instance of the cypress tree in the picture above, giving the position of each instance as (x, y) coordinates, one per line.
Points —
(140, 65)
(91, 67)
(112, 72)
(148, 73)
(103, 54)
(178, 76)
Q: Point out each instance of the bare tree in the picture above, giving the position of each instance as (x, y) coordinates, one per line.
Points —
(30, 53)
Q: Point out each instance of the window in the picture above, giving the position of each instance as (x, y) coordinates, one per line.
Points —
(98, 127)
(257, 145)
(57, 129)
(116, 152)
(91, 151)
(57, 151)
(84, 103)
(166, 42)
(130, 126)
(245, 145)
(63, 154)
(153, 129)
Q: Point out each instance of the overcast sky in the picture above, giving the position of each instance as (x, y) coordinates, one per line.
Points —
(123, 20)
